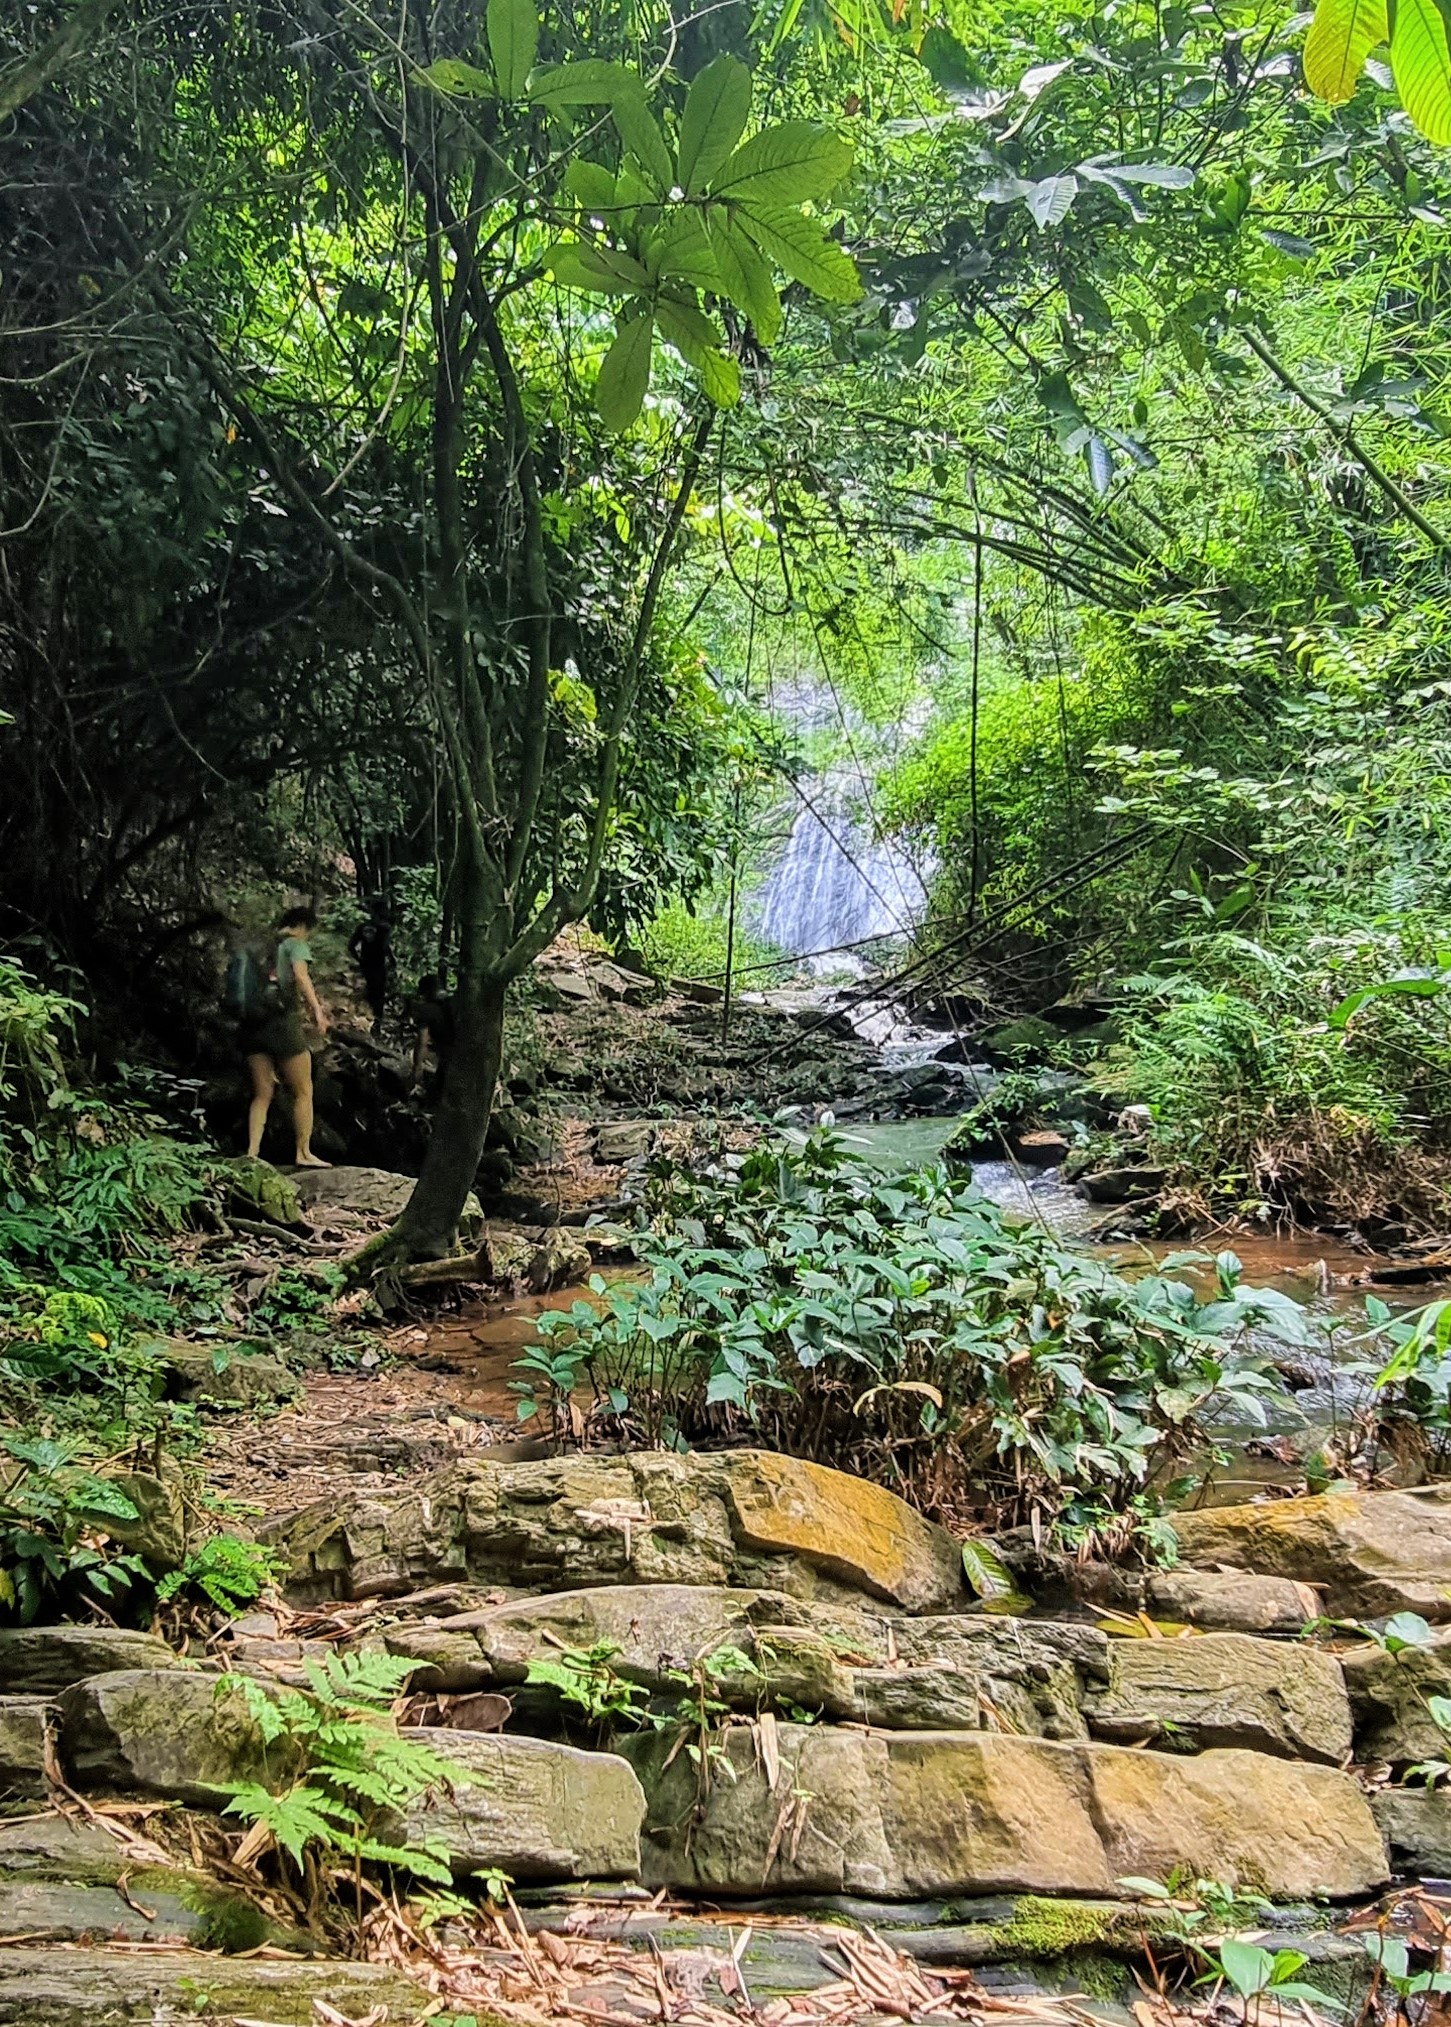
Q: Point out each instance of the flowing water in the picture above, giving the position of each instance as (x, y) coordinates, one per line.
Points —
(837, 881)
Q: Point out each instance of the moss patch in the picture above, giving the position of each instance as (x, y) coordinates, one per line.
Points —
(1044, 1929)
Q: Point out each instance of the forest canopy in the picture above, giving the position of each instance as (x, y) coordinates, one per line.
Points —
(430, 437)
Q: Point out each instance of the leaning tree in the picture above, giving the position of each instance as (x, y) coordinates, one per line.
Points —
(523, 265)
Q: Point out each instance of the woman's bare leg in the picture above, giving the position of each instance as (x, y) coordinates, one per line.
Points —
(264, 1084)
(297, 1074)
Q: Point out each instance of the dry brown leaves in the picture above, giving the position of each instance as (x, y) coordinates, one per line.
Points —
(558, 1974)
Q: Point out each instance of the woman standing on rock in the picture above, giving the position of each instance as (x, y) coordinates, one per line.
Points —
(274, 1040)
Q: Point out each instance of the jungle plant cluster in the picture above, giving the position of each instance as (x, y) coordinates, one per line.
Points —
(900, 1328)
(96, 1186)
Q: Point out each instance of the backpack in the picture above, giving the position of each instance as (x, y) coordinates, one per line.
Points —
(248, 992)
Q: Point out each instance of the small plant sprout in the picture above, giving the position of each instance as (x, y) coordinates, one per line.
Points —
(1257, 1974)
(1393, 1969)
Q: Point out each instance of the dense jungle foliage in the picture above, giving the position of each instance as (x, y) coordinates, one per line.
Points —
(436, 444)
(440, 448)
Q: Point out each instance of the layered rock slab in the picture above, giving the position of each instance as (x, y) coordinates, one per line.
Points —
(763, 1648)
(1368, 1553)
(742, 1519)
(41, 1660)
(1389, 1695)
(22, 1746)
(910, 1815)
(163, 1732)
(103, 1988)
(533, 1809)
(1416, 1825)
(1225, 1689)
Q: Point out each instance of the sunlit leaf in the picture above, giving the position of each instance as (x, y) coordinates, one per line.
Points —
(1421, 63)
(744, 275)
(640, 134)
(786, 164)
(578, 265)
(801, 246)
(458, 79)
(513, 27)
(1342, 35)
(716, 109)
(590, 82)
(625, 374)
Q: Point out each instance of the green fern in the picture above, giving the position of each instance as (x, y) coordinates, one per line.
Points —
(357, 1775)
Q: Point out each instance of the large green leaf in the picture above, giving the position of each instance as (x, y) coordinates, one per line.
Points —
(1341, 37)
(640, 133)
(680, 249)
(744, 276)
(459, 79)
(800, 246)
(513, 44)
(695, 338)
(625, 375)
(784, 165)
(591, 82)
(591, 185)
(716, 109)
(578, 265)
(1421, 61)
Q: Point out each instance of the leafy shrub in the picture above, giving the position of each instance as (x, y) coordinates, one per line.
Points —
(901, 1328)
(55, 1553)
(227, 1571)
(1260, 1099)
(356, 1772)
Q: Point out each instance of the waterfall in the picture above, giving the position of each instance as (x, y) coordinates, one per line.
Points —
(836, 880)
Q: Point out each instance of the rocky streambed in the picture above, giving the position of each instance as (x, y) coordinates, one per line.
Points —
(871, 1746)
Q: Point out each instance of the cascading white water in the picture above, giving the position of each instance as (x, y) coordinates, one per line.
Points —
(836, 882)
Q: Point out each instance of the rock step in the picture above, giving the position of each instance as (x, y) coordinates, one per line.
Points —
(63, 1987)
(1367, 1553)
(902, 1815)
(1028, 1934)
(959, 1673)
(743, 1517)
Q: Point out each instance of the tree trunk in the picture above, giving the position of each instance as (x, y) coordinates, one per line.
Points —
(428, 1228)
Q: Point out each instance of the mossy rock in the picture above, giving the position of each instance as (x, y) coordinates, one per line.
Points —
(1027, 1040)
(241, 1378)
(255, 1189)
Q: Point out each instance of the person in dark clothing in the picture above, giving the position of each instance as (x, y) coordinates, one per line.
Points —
(432, 1014)
(371, 948)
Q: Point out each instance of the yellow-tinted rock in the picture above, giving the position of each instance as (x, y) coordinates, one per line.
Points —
(743, 1519)
(1225, 1689)
(851, 1528)
(909, 1815)
(1369, 1553)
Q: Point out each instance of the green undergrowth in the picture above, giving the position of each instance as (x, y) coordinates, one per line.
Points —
(902, 1328)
